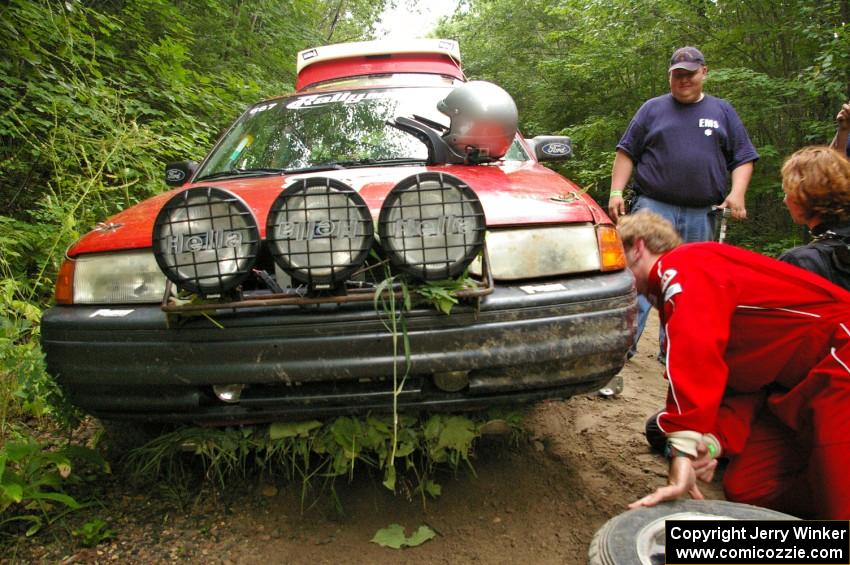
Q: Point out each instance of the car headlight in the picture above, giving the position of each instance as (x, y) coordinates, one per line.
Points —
(546, 251)
(319, 230)
(432, 226)
(206, 240)
(111, 278)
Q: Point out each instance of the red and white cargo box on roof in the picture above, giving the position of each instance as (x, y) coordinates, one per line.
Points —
(349, 60)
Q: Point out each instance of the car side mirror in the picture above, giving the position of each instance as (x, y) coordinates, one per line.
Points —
(551, 147)
(176, 174)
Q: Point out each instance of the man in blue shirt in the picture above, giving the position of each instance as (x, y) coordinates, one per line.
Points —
(840, 141)
(682, 148)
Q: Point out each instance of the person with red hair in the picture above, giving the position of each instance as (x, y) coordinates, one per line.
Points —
(816, 182)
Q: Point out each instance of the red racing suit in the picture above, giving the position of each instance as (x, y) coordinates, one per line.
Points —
(758, 354)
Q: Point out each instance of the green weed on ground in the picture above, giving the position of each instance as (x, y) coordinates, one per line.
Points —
(315, 454)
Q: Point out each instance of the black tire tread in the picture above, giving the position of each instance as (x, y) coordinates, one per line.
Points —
(607, 548)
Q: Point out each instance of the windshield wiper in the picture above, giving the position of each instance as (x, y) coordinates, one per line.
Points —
(371, 162)
(353, 163)
(394, 161)
(328, 166)
(243, 172)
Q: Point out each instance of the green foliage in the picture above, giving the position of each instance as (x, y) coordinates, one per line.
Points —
(171, 75)
(96, 98)
(443, 294)
(25, 387)
(449, 439)
(393, 536)
(34, 480)
(93, 532)
(314, 454)
(583, 67)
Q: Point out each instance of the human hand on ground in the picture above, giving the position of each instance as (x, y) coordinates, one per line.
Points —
(681, 480)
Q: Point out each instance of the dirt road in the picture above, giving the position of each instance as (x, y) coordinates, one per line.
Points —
(540, 502)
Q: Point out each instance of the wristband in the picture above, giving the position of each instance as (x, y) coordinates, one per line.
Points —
(614, 193)
(713, 446)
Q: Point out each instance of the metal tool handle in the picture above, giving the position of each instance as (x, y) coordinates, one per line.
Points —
(725, 213)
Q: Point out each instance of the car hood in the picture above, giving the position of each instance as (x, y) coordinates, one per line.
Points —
(514, 193)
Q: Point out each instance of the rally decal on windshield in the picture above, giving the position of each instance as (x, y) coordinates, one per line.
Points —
(338, 97)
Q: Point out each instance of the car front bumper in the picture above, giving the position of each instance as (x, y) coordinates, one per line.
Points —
(523, 343)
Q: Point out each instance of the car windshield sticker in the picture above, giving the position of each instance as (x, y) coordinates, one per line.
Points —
(262, 108)
(312, 100)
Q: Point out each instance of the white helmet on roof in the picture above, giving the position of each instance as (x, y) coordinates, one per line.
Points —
(483, 119)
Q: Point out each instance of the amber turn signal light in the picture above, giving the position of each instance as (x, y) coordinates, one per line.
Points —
(65, 283)
(611, 253)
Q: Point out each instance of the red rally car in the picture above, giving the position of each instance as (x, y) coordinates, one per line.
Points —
(248, 293)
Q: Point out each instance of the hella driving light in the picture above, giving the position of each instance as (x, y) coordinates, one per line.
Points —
(205, 240)
(319, 230)
(432, 226)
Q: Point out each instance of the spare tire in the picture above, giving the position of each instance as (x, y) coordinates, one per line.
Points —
(637, 536)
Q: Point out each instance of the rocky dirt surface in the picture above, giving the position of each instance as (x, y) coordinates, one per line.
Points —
(537, 502)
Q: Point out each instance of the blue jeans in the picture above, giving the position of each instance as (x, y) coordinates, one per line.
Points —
(693, 224)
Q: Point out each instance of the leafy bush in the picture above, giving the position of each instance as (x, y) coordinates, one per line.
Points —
(25, 386)
(34, 479)
(94, 532)
(315, 453)
(584, 68)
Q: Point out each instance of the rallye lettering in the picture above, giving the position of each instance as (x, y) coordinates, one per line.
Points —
(343, 97)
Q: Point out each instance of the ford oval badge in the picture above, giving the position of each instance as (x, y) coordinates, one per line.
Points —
(556, 148)
(175, 175)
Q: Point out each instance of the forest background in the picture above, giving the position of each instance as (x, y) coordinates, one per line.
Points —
(97, 95)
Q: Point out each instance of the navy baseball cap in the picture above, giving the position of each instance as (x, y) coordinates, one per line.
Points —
(688, 58)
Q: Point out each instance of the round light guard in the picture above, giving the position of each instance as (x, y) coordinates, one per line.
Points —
(432, 226)
(206, 240)
(319, 230)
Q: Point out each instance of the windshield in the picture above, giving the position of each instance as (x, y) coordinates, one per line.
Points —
(331, 129)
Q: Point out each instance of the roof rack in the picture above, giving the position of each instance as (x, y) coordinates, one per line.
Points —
(345, 60)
